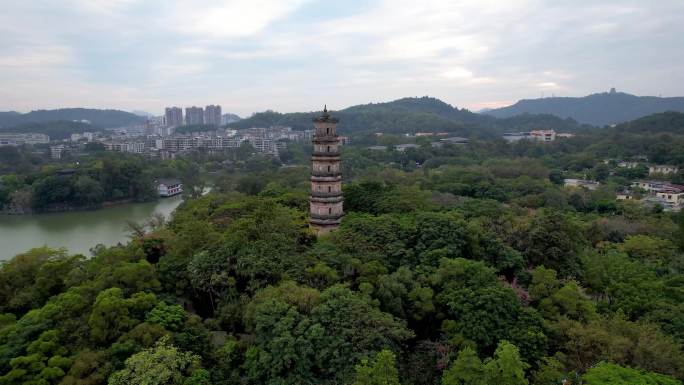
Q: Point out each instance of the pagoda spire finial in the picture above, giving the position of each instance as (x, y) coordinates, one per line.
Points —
(325, 116)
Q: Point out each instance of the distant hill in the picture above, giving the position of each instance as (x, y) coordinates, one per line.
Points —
(57, 130)
(410, 115)
(400, 116)
(101, 118)
(7, 116)
(144, 114)
(230, 118)
(597, 109)
(529, 122)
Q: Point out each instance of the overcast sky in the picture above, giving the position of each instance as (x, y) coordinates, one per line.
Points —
(252, 55)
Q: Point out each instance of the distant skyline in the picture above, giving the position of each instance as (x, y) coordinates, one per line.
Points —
(297, 55)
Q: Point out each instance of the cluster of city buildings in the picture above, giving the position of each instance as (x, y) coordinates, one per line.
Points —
(21, 139)
(155, 139)
(544, 136)
(669, 196)
(173, 118)
(56, 150)
(268, 141)
(651, 192)
(457, 140)
(210, 115)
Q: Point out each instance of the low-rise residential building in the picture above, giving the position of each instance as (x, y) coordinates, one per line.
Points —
(18, 139)
(135, 147)
(663, 169)
(162, 154)
(625, 195)
(670, 196)
(404, 147)
(674, 197)
(515, 136)
(652, 200)
(56, 152)
(169, 187)
(423, 134)
(235, 142)
(378, 148)
(87, 136)
(543, 135)
(454, 140)
(263, 145)
(624, 164)
(588, 184)
(651, 186)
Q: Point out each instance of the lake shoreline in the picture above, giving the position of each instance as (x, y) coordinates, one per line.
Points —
(70, 209)
(78, 231)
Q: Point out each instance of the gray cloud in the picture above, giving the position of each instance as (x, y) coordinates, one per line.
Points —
(294, 55)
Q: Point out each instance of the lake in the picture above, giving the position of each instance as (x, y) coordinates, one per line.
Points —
(78, 231)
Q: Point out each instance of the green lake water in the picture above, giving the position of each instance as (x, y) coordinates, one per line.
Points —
(77, 231)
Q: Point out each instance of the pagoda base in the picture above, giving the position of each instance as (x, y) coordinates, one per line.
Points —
(325, 225)
(324, 229)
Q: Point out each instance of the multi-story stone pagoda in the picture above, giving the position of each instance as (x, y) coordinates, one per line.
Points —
(325, 200)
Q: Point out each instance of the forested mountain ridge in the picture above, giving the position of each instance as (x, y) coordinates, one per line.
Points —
(423, 104)
(402, 115)
(102, 118)
(411, 115)
(596, 109)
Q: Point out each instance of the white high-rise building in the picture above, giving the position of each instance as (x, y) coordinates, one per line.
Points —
(173, 117)
(212, 115)
(194, 115)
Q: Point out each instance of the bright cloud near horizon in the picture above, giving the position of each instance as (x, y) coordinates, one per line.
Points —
(296, 55)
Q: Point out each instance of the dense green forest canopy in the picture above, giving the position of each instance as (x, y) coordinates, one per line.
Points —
(667, 122)
(34, 184)
(453, 265)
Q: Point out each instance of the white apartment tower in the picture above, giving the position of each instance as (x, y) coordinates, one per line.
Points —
(212, 115)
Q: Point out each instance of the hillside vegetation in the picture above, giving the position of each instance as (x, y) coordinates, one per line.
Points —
(597, 109)
(411, 115)
(666, 122)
